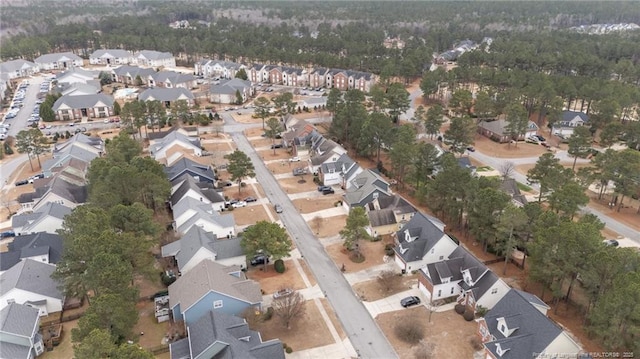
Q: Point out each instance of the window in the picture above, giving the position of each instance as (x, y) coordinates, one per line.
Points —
(217, 304)
(452, 289)
(441, 257)
(11, 300)
(439, 292)
(494, 290)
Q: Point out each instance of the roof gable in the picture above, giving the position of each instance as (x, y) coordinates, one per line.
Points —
(31, 276)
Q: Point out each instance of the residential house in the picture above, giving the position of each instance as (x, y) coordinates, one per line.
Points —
(258, 73)
(341, 172)
(299, 136)
(78, 89)
(227, 91)
(149, 58)
(462, 276)
(69, 108)
(18, 68)
(201, 173)
(19, 332)
(387, 214)
(167, 96)
(64, 188)
(510, 187)
(323, 151)
(318, 77)
(293, 76)
(58, 61)
(111, 57)
(188, 186)
(29, 282)
(465, 162)
(518, 327)
(158, 148)
(362, 81)
(210, 285)
(48, 219)
(78, 151)
(338, 79)
(131, 75)
(364, 188)
(41, 247)
(313, 103)
(201, 214)
(275, 74)
(217, 69)
(570, 120)
(496, 130)
(5, 84)
(171, 79)
(77, 75)
(197, 245)
(218, 335)
(422, 241)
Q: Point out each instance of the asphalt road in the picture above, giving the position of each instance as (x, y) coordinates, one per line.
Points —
(19, 122)
(365, 335)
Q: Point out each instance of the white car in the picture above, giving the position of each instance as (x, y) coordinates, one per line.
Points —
(294, 159)
(239, 204)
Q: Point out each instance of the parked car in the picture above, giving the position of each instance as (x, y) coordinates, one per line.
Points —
(259, 259)
(250, 199)
(409, 301)
(532, 139)
(230, 202)
(277, 145)
(294, 159)
(328, 191)
(471, 149)
(611, 243)
(323, 188)
(22, 182)
(239, 204)
(284, 292)
(39, 175)
(278, 208)
(7, 234)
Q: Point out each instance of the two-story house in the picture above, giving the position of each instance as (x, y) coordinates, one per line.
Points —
(210, 285)
(18, 68)
(42, 247)
(569, 121)
(227, 91)
(183, 165)
(341, 172)
(29, 282)
(388, 214)
(70, 108)
(167, 96)
(150, 58)
(58, 61)
(19, 332)
(48, 219)
(132, 75)
(158, 148)
(111, 57)
(365, 187)
(422, 241)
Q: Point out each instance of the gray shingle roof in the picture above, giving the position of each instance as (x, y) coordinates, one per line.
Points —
(83, 101)
(111, 53)
(186, 247)
(534, 330)
(567, 116)
(57, 57)
(154, 55)
(171, 136)
(14, 351)
(188, 184)
(510, 187)
(51, 244)
(426, 232)
(27, 221)
(15, 65)
(230, 334)
(133, 71)
(19, 319)
(221, 220)
(30, 276)
(229, 87)
(166, 94)
(185, 165)
(363, 185)
(172, 77)
(209, 276)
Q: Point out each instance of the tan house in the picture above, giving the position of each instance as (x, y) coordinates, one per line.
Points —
(69, 108)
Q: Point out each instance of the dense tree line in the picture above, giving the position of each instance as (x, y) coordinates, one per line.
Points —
(107, 245)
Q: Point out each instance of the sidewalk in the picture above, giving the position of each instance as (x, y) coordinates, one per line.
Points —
(331, 212)
(369, 273)
(338, 350)
(392, 303)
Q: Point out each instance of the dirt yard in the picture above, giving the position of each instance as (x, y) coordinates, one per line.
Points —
(329, 226)
(371, 290)
(219, 149)
(271, 281)
(314, 204)
(628, 214)
(153, 331)
(245, 118)
(372, 251)
(505, 150)
(262, 142)
(253, 132)
(232, 191)
(293, 185)
(65, 349)
(250, 215)
(280, 167)
(450, 334)
(309, 331)
(267, 155)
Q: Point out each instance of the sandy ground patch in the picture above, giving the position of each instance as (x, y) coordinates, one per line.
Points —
(271, 281)
(232, 191)
(281, 154)
(628, 214)
(147, 324)
(282, 166)
(525, 168)
(245, 118)
(219, 149)
(371, 290)
(252, 132)
(334, 319)
(65, 348)
(314, 204)
(372, 251)
(309, 331)
(505, 150)
(147, 287)
(307, 272)
(293, 185)
(263, 142)
(448, 331)
(329, 226)
(249, 215)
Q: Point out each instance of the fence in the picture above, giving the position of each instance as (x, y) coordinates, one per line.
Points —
(159, 349)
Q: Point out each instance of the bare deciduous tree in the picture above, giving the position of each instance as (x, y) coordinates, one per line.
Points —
(289, 308)
(506, 169)
(388, 281)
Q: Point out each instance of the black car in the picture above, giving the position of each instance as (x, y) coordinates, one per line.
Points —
(22, 182)
(328, 191)
(323, 188)
(277, 145)
(259, 259)
(250, 199)
(409, 301)
(7, 234)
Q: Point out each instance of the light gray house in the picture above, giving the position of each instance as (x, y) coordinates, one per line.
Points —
(197, 245)
(69, 108)
(150, 58)
(167, 95)
(43, 247)
(58, 61)
(200, 172)
(171, 79)
(210, 285)
(364, 188)
(130, 74)
(48, 219)
(19, 332)
(570, 120)
(225, 91)
(79, 147)
(18, 68)
(217, 69)
(111, 57)
(218, 335)
(340, 172)
(29, 282)
(387, 214)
